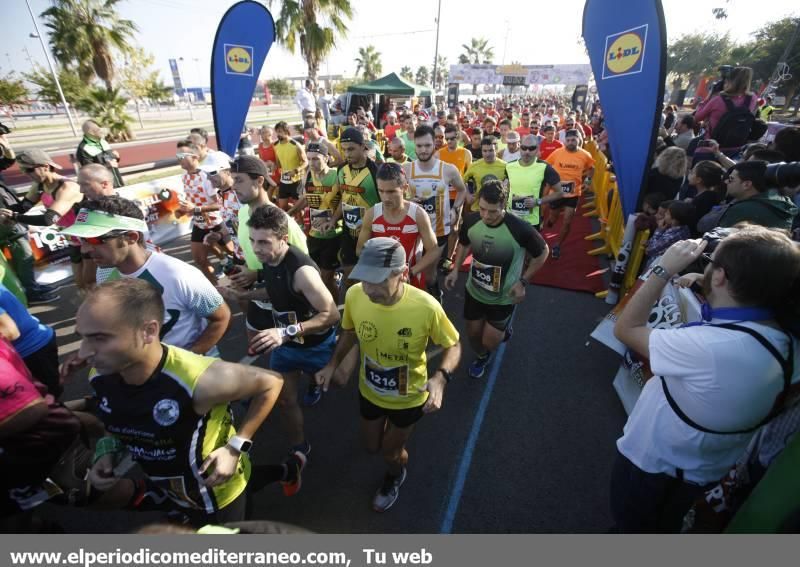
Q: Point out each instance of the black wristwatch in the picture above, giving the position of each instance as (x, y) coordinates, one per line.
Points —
(447, 375)
(524, 282)
(660, 272)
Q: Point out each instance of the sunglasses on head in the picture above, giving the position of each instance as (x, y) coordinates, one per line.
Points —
(102, 239)
(529, 148)
(182, 155)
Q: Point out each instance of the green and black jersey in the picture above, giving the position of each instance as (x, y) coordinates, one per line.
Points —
(157, 423)
(498, 255)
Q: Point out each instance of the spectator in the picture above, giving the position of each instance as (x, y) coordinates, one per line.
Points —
(94, 149)
(706, 178)
(714, 385)
(304, 99)
(753, 202)
(652, 214)
(684, 131)
(667, 174)
(669, 118)
(736, 90)
(675, 226)
(787, 141)
(324, 101)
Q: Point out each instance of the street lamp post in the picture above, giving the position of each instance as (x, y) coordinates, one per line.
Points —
(436, 51)
(188, 98)
(52, 70)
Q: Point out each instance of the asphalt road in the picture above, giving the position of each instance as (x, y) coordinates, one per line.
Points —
(526, 449)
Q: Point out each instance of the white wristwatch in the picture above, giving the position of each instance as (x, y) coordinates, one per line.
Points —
(240, 444)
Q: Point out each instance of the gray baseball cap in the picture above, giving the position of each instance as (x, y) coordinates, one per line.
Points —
(33, 158)
(379, 258)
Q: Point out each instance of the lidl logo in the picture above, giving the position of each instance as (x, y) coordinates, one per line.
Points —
(239, 60)
(624, 54)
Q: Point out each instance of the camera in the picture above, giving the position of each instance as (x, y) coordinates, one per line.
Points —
(724, 73)
(783, 174)
(714, 237)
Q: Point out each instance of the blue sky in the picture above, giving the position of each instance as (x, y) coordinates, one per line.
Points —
(185, 28)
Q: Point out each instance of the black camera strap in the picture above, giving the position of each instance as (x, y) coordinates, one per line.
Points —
(787, 365)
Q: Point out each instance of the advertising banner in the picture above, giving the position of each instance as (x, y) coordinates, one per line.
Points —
(244, 37)
(519, 75)
(627, 44)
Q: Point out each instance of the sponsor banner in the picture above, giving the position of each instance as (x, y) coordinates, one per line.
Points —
(158, 200)
(517, 75)
(627, 45)
(244, 37)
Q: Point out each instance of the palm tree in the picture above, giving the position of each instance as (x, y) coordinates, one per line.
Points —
(422, 75)
(107, 107)
(315, 25)
(369, 59)
(442, 71)
(83, 34)
(478, 51)
(407, 73)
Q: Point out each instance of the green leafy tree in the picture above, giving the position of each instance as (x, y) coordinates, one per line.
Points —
(369, 61)
(694, 55)
(766, 51)
(279, 88)
(84, 34)
(12, 91)
(157, 92)
(108, 108)
(135, 76)
(342, 85)
(407, 73)
(423, 75)
(477, 52)
(46, 90)
(314, 26)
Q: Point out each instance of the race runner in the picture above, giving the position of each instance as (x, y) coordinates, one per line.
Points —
(527, 180)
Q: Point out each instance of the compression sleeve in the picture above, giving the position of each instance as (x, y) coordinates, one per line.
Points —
(49, 218)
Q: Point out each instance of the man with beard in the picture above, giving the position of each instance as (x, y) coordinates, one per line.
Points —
(430, 180)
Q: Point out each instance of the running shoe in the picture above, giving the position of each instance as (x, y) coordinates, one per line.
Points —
(478, 366)
(556, 252)
(294, 468)
(313, 395)
(42, 297)
(387, 494)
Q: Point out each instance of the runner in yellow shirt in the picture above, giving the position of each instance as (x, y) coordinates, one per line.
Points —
(392, 323)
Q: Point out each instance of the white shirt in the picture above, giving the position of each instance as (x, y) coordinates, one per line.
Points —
(304, 99)
(721, 379)
(189, 298)
(324, 102)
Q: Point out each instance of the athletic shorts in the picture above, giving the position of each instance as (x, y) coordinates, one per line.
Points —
(571, 202)
(498, 316)
(324, 251)
(289, 190)
(198, 234)
(347, 249)
(259, 316)
(400, 418)
(441, 241)
(308, 359)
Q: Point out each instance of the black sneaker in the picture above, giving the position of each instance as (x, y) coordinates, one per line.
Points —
(304, 447)
(387, 494)
(294, 469)
(556, 252)
(40, 298)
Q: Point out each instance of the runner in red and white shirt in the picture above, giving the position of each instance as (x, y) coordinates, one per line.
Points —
(404, 221)
(549, 144)
(203, 202)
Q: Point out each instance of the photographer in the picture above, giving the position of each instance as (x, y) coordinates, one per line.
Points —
(753, 201)
(716, 382)
(724, 123)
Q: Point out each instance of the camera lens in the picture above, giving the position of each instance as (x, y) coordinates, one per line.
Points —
(783, 174)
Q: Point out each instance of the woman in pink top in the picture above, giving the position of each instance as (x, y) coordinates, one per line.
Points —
(737, 88)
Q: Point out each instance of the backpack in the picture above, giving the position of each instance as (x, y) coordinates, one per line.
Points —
(735, 127)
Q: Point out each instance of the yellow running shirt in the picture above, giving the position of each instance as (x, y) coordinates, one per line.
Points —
(289, 158)
(392, 341)
(480, 172)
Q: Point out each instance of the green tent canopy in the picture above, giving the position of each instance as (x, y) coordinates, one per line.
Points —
(391, 85)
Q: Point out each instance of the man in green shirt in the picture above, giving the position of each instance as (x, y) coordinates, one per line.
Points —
(486, 169)
(506, 252)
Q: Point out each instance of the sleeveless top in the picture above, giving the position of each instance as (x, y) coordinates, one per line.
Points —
(288, 306)
(406, 232)
(432, 194)
(48, 199)
(158, 425)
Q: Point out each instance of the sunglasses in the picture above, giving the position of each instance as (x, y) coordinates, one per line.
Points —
(183, 155)
(450, 138)
(29, 169)
(529, 148)
(97, 240)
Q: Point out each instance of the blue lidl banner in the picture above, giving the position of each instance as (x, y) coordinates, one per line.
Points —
(627, 44)
(244, 37)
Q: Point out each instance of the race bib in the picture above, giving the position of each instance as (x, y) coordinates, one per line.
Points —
(319, 218)
(568, 187)
(486, 276)
(428, 205)
(386, 381)
(518, 206)
(285, 318)
(286, 178)
(353, 217)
